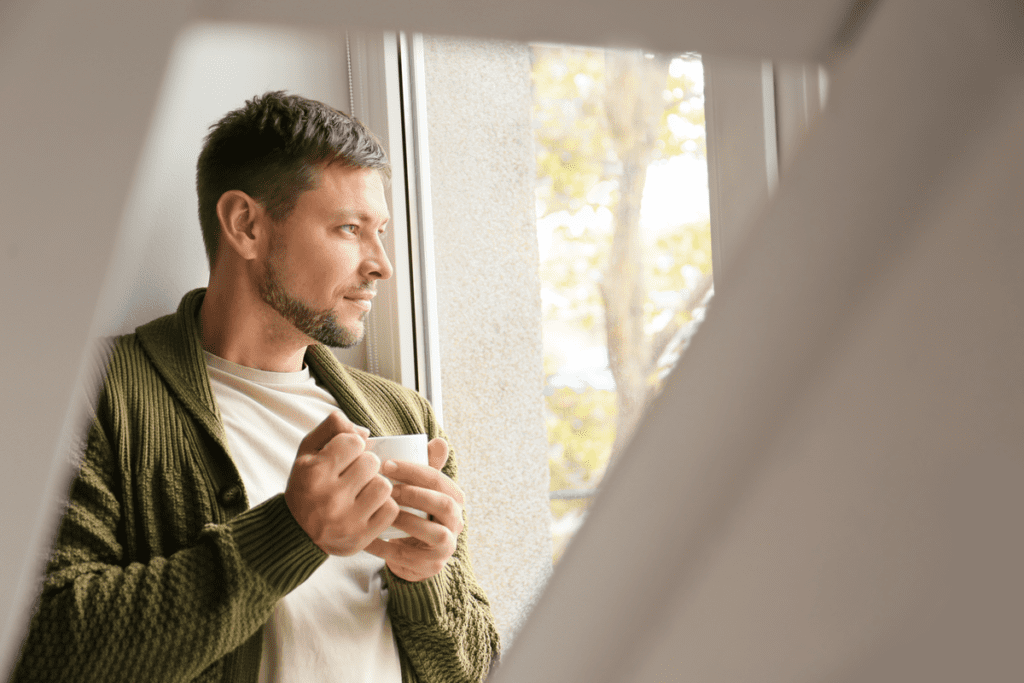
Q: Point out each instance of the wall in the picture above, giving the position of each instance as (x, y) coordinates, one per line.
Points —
(488, 292)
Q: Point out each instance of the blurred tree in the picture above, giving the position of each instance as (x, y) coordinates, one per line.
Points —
(601, 118)
(633, 106)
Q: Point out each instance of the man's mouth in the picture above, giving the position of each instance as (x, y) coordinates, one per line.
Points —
(361, 300)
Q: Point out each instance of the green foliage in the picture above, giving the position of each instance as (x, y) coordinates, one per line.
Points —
(683, 119)
(577, 175)
(581, 429)
(673, 253)
(570, 275)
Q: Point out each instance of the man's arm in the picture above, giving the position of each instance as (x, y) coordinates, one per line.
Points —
(102, 618)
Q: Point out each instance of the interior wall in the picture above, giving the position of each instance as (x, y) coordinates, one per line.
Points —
(77, 92)
(488, 294)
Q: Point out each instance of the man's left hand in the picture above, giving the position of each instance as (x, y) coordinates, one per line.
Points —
(431, 541)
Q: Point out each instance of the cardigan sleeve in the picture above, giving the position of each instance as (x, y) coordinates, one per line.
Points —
(443, 624)
(100, 617)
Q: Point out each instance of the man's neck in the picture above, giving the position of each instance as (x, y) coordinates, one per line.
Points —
(242, 329)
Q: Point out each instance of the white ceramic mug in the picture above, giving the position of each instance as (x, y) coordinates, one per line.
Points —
(407, 448)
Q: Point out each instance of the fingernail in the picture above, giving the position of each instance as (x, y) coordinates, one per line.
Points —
(389, 466)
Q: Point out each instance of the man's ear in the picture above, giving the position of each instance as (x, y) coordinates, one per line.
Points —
(239, 216)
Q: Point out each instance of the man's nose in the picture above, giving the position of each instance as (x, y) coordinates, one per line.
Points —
(377, 265)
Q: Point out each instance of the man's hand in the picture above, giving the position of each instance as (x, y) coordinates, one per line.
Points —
(431, 541)
(335, 490)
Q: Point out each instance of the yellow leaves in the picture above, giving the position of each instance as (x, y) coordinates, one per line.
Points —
(687, 244)
(581, 430)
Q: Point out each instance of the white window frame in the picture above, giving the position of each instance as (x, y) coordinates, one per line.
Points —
(756, 112)
(387, 86)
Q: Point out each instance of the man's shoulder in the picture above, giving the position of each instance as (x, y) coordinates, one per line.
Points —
(377, 383)
(154, 337)
(378, 395)
(381, 388)
(107, 354)
(119, 352)
(118, 359)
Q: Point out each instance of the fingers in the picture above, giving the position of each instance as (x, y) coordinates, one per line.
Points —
(353, 471)
(335, 445)
(337, 455)
(431, 534)
(334, 424)
(335, 490)
(437, 453)
(374, 493)
(431, 542)
(441, 507)
(345, 533)
(384, 516)
(423, 477)
(411, 558)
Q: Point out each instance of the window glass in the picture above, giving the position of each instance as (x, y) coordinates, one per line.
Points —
(625, 246)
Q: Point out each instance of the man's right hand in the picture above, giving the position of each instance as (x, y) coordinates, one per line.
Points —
(336, 491)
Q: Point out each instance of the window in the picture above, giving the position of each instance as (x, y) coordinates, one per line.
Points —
(625, 248)
(477, 99)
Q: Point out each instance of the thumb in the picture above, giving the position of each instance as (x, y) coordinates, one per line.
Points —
(437, 453)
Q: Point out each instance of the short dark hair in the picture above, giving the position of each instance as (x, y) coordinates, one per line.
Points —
(273, 149)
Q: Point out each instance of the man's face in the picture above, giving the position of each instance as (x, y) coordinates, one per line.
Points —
(324, 259)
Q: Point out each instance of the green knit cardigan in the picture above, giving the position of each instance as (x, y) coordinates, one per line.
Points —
(160, 570)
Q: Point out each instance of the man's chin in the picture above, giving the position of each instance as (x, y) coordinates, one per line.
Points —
(338, 336)
(348, 343)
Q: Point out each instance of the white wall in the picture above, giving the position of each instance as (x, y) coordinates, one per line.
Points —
(489, 312)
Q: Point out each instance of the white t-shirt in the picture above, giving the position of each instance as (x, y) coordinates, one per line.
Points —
(334, 626)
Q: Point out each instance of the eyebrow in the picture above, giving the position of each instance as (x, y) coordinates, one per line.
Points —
(349, 214)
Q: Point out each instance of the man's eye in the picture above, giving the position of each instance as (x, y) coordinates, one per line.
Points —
(351, 229)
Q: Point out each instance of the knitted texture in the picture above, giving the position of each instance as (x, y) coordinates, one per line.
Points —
(161, 572)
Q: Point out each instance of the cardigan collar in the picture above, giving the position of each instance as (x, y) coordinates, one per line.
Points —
(174, 345)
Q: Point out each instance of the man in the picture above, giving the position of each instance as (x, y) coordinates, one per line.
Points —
(224, 522)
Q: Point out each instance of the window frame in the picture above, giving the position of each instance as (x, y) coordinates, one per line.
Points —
(388, 94)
